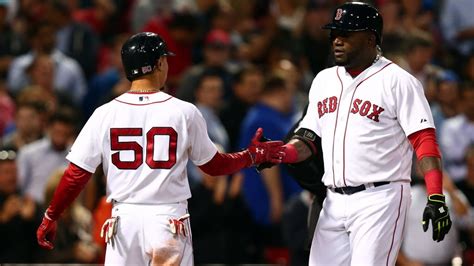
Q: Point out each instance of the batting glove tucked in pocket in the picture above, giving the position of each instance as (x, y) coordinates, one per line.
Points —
(109, 229)
(178, 226)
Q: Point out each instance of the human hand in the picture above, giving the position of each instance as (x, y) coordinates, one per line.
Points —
(28, 208)
(11, 208)
(46, 233)
(266, 151)
(437, 211)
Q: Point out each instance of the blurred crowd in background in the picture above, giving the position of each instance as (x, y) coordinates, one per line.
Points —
(244, 64)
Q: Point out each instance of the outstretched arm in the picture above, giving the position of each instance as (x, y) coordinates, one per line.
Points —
(257, 153)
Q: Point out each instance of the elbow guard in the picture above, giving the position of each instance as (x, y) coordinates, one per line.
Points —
(309, 138)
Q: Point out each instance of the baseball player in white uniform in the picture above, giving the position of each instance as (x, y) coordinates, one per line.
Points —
(144, 139)
(370, 115)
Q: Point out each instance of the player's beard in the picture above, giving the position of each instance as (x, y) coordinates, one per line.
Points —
(342, 60)
(349, 59)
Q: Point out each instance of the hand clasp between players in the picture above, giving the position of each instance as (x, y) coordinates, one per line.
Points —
(265, 152)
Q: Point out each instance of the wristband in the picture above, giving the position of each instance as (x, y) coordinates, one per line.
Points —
(434, 181)
(291, 154)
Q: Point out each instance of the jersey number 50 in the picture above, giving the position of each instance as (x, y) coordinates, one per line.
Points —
(117, 145)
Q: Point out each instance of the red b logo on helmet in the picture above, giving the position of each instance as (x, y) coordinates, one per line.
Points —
(338, 14)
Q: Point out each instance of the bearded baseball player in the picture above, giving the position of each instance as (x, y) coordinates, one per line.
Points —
(370, 115)
(144, 139)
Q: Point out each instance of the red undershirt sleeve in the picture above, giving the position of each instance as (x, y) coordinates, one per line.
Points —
(425, 145)
(72, 182)
(227, 163)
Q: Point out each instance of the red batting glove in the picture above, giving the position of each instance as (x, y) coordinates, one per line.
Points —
(46, 233)
(263, 152)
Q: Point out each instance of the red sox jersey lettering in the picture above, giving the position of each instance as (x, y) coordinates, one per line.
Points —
(364, 122)
(363, 108)
(329, 105)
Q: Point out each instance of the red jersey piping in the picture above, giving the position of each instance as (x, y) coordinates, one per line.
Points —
(396, 223)
(335, 126)
(347, 121)
(140, 104)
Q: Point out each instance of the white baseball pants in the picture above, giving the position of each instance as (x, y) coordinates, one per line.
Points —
(144, 230)
(365, 228)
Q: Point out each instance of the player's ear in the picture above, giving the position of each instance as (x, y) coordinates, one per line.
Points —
(158, 64)
(372, 39)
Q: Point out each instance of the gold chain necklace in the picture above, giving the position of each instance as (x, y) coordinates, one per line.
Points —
(150, 91)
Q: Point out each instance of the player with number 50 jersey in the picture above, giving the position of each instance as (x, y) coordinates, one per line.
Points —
(144, 139)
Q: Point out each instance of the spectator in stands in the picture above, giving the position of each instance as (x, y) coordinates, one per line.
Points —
(447, 99)
(457, 25)
(266, 193)
(314, 38)
(7, 109)
(74, 39)
(247, 86)
(12, 43)
(101, 16)
(468, 68)
(39, 159)
(29, 124)
(416, 16)
(209, 100)
(419, 54)
(68, 77)
(102, 84)
(208, 96)
(216, 57)
(41, 74)
(19, 215)
(457, 135)
(180, 33)
(211, 199)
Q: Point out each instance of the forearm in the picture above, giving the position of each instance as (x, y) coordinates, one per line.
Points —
(72, 182)
(272, 182)
(303, 151)
(227, 163)
(429, 159)
(427, 164)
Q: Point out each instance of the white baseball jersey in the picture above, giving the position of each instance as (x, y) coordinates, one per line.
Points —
(144, 142)
(364, 122)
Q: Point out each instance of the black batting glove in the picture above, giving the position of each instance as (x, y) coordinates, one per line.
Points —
(437, 211)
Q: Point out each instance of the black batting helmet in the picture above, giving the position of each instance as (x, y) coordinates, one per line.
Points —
(140, 53)
(357, 16)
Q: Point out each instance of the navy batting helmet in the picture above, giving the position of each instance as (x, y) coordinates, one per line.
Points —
(357, 16)
(140, 53)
